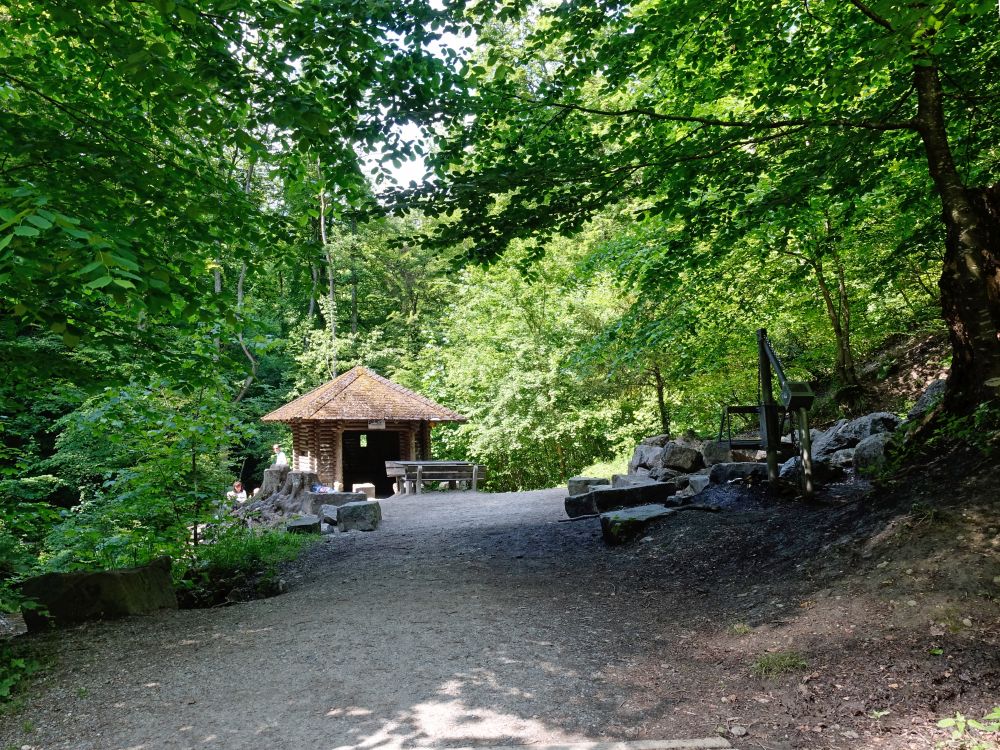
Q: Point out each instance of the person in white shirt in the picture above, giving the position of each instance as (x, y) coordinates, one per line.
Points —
(280, 459)
(238, 495)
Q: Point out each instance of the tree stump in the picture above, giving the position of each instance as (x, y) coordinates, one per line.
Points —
(294, 497)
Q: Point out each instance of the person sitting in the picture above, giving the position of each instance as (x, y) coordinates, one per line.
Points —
(238, 495)
(280, 459)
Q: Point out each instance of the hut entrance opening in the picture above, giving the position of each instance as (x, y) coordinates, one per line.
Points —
(365, 454)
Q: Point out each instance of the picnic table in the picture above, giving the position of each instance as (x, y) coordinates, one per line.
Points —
(410, 475)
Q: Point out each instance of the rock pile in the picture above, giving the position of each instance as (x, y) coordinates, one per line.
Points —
(665, 475)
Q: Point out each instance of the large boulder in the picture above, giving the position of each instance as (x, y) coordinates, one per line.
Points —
(622, 526)
(829, 441)
(932, 394)
(658, 440)
(69, 598)
(870, 424)
(822, 471)
(363, 516)
(846, 434)
(870, 455)
(842, 459)
(741, 471)
(716, 452)
(679, 457)
(581, 485)
(644, 456)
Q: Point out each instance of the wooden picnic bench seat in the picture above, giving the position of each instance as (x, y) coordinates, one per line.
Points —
(411, 475)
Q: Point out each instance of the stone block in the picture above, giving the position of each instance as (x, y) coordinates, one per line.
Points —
(622, 526)
(307, 524)
(70, 598)
(619, 481)
(610, 498)
(328, 514)
(580, 485)
(362, 516)
(580, 505)
(366, 488)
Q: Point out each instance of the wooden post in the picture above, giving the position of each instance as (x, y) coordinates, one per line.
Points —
(769, 418)
(805, 441)
(420, 473)
(475, 476)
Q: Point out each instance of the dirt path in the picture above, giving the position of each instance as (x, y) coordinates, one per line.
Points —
(480, 620)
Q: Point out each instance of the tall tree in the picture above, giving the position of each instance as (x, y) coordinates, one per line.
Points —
(589, 102)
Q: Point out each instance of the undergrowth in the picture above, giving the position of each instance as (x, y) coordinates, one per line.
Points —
(237, 559)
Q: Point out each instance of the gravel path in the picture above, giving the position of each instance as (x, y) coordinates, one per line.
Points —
(466, 619)
(478, 620)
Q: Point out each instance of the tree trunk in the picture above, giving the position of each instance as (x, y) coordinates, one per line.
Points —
(331, 363)
(844, 369)
(970, 277)
(314, 270)
(239, 337)
(661, 402)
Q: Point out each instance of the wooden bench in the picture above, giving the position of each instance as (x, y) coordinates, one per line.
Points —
(411, 475)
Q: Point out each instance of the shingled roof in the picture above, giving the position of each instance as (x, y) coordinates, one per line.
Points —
(362, 394)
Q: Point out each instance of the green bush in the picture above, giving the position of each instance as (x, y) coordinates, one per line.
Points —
(15, 666)
(236, 563)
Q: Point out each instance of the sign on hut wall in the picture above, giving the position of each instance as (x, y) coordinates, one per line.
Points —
(378, 424)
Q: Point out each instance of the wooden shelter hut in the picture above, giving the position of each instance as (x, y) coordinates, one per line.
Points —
(347, 429)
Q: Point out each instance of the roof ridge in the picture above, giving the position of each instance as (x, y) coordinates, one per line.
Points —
(335, 391)
(411, 405)
(407, 392)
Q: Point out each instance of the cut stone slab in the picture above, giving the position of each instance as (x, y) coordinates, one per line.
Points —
(581, 485)
(70, 598)
(580, 505)
(723, 473)
(366, 488)
(606, 499)
(363, 516)
(335, 498)
(622, 526)
(303, 525)
(618, 481)
(328, 514)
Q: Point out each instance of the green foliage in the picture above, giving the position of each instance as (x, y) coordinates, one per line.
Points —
(15, 667)
(778, 663)
(971, 731)
(232, 549)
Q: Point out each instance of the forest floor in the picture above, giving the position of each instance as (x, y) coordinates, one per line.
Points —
(481, 619)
